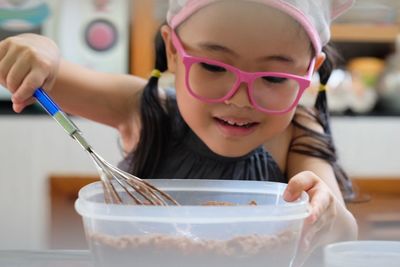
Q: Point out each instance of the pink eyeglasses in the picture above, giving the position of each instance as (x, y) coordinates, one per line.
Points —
(213, 81)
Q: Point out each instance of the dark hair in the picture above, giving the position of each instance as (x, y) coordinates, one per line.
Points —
(322, 145)
(155, 122)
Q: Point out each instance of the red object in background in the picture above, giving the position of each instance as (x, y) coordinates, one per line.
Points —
(101, 35)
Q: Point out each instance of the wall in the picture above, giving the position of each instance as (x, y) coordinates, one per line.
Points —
(33, 148)
(368, 146)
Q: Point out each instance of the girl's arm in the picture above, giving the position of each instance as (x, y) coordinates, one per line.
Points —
(330, 221)
(316, 177)
(111, 99)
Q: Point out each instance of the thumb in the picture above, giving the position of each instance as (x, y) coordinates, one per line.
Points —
(303, 181)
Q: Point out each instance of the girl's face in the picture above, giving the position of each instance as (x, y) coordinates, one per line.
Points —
(253, 38)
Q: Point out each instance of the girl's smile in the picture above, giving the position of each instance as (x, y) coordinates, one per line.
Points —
(236, 127)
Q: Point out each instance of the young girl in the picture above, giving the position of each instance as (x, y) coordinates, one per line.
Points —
(241, 67)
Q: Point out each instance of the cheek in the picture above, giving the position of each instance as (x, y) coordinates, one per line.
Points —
(192, 110)
(276, 124)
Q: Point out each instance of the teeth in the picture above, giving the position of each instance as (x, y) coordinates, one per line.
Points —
(241, 124)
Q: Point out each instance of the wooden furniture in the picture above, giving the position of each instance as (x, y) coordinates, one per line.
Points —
(378, 218)
(66, 228)
(365, 33)
(143, 29)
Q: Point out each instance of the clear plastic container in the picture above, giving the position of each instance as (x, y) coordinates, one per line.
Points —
(363, 254)
(194, 234)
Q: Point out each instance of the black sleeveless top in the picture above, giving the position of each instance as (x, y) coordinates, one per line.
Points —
(187, 157)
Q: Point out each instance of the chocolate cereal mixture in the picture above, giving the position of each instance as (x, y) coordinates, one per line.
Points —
(188, 250)
(241, 246)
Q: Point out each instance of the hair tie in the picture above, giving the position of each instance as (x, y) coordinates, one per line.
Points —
(322, 88)
(156, 73)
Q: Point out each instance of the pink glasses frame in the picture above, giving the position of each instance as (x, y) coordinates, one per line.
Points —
(242, 77)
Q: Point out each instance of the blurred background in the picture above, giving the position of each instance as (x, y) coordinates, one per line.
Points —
(41, 170)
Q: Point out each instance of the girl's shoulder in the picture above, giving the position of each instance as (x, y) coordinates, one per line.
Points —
(303, 120)
(306, 118)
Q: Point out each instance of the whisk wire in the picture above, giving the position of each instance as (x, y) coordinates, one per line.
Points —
(110, 195)
(107, 178)
(150, 194)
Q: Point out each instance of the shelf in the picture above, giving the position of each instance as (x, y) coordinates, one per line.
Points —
(364, 33)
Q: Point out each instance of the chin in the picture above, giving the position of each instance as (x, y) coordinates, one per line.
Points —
(231, 150)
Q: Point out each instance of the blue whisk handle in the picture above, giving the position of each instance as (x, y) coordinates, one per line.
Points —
(52, 108)
(46, 102)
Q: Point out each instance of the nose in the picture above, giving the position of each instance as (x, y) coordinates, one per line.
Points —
(241, 98)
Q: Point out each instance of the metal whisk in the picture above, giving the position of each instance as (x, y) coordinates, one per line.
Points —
(139, 190)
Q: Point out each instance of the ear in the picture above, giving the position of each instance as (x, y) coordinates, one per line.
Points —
(169, 47)
(319, 60)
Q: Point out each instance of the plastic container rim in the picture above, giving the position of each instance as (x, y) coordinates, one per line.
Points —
(101, 211)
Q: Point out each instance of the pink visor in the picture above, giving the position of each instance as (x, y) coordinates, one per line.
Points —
(314, 15)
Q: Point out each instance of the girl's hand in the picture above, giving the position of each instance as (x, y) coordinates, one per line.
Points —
(325, 209)
(27, 61)
(322, 200)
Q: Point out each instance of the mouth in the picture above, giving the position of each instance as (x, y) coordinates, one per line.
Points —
(236, 123)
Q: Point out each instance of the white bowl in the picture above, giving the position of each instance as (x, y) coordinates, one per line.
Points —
(363, 254)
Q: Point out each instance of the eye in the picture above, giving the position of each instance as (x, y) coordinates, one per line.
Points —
(272, 79)
(212, 68)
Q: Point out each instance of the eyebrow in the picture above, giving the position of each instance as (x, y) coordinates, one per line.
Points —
(219, 48)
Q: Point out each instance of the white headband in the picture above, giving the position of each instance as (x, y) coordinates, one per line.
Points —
(314, 15)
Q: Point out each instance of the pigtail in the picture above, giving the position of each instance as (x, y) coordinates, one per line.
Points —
(321, 106)
(154, 119)
(322, 145)
(321, 103)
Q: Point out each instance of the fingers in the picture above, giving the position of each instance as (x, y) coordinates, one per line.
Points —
(6, 63)
(21, 106)
(31, 82)
(17, 74)
(303, 181)
(320, 201)
(27, 62)
(4, 45)
(23, 96)
(321, 197)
